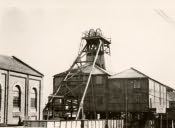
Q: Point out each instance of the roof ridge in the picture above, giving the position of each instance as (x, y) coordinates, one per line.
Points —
(122, 74)
(121, 71)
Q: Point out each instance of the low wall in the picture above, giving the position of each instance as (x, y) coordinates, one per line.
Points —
(74, 124)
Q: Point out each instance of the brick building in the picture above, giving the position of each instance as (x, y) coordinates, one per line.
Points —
(20, 91)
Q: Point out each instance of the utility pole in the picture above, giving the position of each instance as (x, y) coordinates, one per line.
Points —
(126, 105)
(167, 120)
(160, 120)
(166, 111)
(172, 124)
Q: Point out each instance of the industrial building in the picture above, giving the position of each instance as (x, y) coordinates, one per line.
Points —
(141, 97)
(88, 91)
(20, 91)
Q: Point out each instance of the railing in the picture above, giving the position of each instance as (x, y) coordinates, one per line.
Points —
(74, 124)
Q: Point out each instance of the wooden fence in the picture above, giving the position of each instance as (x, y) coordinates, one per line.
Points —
(74, 124)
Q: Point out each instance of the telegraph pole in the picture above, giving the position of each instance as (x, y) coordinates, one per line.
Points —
(160, 120)
(166, 112)
(126, 105)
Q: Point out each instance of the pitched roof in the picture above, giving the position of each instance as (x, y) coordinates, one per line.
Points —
(133, 73)
(87, 69)
(129, 73)
(97, 70)
(16, 65)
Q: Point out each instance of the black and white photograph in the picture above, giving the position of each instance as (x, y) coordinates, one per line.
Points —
(87, 64)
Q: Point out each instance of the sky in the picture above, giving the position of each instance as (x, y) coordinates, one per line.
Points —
(46, 34)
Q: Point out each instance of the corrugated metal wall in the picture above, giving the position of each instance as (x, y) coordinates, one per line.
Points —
(157, 95)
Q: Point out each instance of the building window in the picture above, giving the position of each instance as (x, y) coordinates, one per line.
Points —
(17, 97)
(138, 100)
(136, 84)
(99, 80)
(34, 98)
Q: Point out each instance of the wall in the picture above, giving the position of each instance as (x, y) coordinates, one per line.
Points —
(96, 94)
(8, 80)
(170, 98)
(13, 113)
(95, 97)
(75, 124)
(35, 82)
(3, 76)
(134, 90)
(157, 95)
(56, 82)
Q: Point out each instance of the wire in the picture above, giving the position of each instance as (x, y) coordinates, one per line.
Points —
(162, 14)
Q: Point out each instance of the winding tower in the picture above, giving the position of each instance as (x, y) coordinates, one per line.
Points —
(78, 91)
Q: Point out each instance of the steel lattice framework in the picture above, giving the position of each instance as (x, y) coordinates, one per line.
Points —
(91, 53)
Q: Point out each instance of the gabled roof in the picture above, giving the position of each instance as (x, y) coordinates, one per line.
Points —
(133, 73)
(129, 73)
(16, 65)
(87, 69)
(96, 70)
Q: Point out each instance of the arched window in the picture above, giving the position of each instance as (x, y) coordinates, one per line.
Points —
(34, 98)
(17, 97)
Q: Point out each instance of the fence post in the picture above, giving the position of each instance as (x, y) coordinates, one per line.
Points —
(106, 123)
(172, 124)
(82, 123)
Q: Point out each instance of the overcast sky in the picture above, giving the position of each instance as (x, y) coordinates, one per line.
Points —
(46, 34)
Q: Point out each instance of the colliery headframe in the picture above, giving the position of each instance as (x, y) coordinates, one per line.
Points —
(88, 91)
